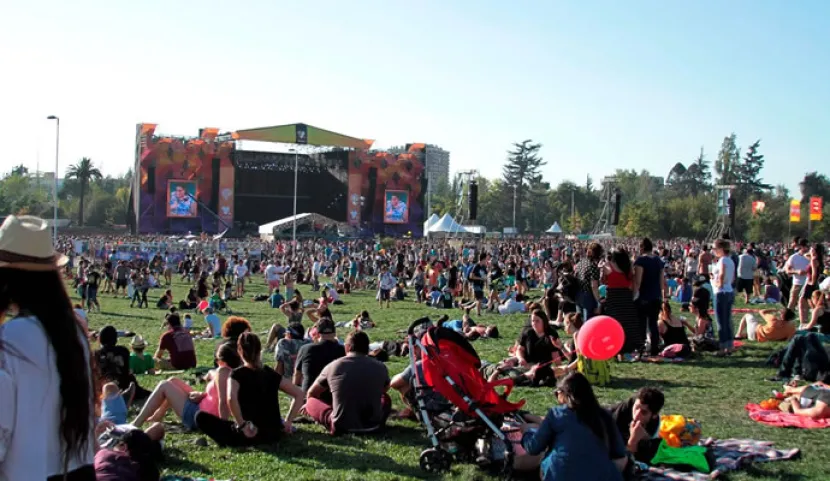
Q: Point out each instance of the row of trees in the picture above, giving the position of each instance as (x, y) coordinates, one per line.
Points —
(680, 204)
(85, 196)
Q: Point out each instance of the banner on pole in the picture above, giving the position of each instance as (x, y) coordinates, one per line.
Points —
(816, 208)
(795, 211)
(758, 206)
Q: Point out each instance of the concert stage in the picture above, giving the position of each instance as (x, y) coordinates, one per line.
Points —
(213, 182)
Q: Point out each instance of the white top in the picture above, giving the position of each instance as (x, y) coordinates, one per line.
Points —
(512, 306)
(798, 263)
(271, 273)
(240, 270)
(30, 443)
(725, 265)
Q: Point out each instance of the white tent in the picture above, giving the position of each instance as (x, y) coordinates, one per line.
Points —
(431, 221)
(268, 229)
(446, 225)
(554, 229)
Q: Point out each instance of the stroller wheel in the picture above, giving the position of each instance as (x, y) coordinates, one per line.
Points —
(435, 460)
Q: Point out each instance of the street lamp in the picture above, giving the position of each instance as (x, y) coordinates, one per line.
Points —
(294, 229)
(57, 150)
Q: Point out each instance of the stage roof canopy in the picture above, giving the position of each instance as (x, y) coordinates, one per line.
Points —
(302, 134)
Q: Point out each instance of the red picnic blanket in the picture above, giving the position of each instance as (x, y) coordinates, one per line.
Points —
(781, 419)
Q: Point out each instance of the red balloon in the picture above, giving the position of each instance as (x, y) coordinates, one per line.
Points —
(600, 338)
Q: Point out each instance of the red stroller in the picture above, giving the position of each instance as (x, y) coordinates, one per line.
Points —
(450, 367)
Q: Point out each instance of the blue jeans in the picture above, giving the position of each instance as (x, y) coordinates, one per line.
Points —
(723, 313)
(586, 304)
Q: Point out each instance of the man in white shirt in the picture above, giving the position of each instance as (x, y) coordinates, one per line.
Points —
(240, 270)
(746, 273)
(796, 266)
(272, 277)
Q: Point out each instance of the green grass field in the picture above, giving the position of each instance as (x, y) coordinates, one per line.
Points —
(710, 390)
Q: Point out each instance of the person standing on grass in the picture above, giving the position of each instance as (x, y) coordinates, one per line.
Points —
(477, 276)
(723, 276)
(386, 281)
(649, 286)
(93, 282)
(798, 267)
(746, 274)
(358, 386)
(240, 271)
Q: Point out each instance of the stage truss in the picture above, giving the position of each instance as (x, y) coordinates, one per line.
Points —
(608, 198)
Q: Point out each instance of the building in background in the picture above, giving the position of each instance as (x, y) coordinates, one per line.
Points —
(436, 160)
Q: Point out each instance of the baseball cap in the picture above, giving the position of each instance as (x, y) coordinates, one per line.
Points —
(325, 326)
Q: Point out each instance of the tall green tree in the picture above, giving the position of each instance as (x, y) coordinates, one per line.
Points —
(728, 165)
(521, 170)
(698, 176)
(639, 219)
(815, 184)
(85, 173)
(749, 183)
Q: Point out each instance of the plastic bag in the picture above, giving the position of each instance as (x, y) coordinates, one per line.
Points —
(678, 430)
(686, 458)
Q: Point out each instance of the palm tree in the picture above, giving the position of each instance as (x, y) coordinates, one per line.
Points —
(84, 172)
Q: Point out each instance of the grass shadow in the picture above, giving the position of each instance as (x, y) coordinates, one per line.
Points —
(175, 459)
(637, 383)
(762, 471)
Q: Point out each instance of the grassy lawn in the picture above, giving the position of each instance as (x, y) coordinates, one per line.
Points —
(711, 390)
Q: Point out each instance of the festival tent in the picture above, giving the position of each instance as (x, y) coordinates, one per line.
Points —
(554, 229)
(447, 225)
(431, 221)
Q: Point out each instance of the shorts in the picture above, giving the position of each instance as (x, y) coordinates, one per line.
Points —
(119, 283)
(189, 412)
(479, 295)
(384, 294)
(92, 294)
(745, 285)
(808, 291)
(751, 326)
(274, 284)
(240, 281)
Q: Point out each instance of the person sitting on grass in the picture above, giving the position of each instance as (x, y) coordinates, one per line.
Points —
(820, 315)
(638, 420)
(233, 327)
(576, 430)
(673, 331)
(779, 326)
(113, 362)
(214, 324)
(358, 385)
(362, 321)
(811, 401)
(166, 300)
(177, 343)
(253, 401)
(293, 311)
(177, 395)
(140, 361)
(275, 299)
(772, 294)
(287, 349)
(312, 358)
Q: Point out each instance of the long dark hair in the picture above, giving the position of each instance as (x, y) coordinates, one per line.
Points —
(250, 348)
(25, 289)
(581, 400)
(819, 248)
(621, 258)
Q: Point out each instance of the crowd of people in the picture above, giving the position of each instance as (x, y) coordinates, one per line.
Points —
(84, 393)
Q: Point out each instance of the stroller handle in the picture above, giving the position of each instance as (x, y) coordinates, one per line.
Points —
(416, 323)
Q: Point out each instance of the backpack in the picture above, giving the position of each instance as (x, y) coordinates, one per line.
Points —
(598, 373)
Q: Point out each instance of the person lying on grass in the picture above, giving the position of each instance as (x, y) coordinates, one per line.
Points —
(811, 401)
(638, 420)
(253, 401)
(177, 395)
(779, 326)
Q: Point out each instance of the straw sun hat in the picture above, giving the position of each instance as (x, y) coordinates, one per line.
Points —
(26, 244)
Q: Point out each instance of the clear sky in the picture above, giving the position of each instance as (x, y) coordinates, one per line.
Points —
(602, 84)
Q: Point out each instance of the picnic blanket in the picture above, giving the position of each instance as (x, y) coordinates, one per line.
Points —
(780, 419)
(731, 455)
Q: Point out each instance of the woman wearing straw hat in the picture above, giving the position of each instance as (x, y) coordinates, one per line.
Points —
(45, 374)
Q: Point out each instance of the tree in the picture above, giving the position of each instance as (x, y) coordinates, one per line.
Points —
(20, 171)
(749, 183)
(638, 219)
(521, 170)
(677, 181)
(815, 184)
(728, 164)
(84, 172)
(698, 176)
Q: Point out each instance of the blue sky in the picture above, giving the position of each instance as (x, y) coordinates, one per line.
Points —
(602, 84)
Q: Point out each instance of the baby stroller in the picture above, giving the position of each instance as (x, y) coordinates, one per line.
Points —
(471, 430)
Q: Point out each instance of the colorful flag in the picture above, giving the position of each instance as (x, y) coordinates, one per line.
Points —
(795, 211)
(816, 206)
(758, 206)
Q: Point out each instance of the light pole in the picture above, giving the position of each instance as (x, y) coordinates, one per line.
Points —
(294, 228)
(514, 209)
(57, 150)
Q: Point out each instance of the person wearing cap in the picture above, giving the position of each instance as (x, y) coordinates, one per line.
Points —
(140, 361)
(312, 358)
(46, 385)
(287, 349)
